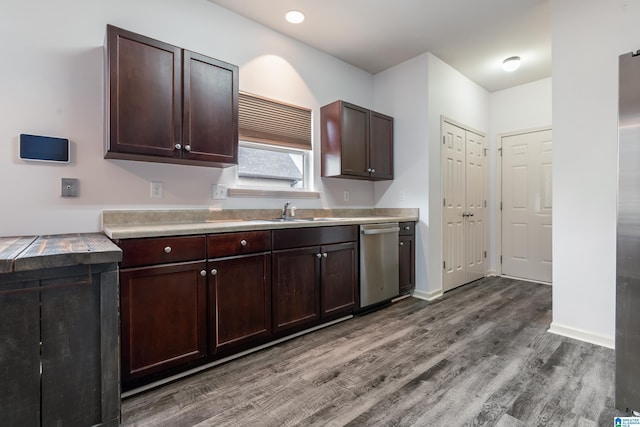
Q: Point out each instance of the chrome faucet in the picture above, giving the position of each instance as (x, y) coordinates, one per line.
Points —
(284, 210)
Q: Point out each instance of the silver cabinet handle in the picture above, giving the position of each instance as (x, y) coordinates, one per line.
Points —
(214, 272)
(324, 255)
(203, 273)
(368, 169)
(318, 255)
(466, 214)
(373, 171)
(401, 243)
(407, 228)
(243, 242)
(187, 147)
(167, 250)
(381, 230)
(178, 147)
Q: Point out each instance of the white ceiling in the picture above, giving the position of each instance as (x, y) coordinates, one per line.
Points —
(472, 36)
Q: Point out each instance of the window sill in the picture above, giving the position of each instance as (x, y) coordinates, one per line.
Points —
(279, 194)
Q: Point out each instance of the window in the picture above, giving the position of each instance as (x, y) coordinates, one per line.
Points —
(275, 144)
(261, 165)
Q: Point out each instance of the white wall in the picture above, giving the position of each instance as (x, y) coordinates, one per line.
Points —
(418, 93)
(519, 108)
(51, 83)
(588, 37)
(402, 92)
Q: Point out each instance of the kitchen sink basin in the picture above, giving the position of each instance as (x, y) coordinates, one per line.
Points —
(299, 219)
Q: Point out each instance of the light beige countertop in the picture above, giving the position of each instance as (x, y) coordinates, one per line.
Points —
(127, 224)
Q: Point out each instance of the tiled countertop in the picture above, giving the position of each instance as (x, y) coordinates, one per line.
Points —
(139, 223)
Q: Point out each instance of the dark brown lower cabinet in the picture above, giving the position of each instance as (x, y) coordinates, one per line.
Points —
(407, 256)
(163, 312)
(59, 347)
(296, 288)
(239, 302)
(339, 276)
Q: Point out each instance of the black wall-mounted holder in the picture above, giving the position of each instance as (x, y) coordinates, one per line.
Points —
(44, 148)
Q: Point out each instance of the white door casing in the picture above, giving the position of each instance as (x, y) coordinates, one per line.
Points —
(463, 189)
(526, 206)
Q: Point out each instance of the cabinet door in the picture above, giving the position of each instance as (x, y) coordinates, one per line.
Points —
(163, 317)
(239, 301)
(355, 138)
(295, 284)
(381, 146)
(406, 255)
(145, 95)
(338, 286)
(210, 126)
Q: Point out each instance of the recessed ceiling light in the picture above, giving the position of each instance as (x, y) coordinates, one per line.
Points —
(295, 16)
(511, 64)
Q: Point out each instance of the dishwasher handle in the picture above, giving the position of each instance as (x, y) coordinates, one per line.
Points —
(381, 230)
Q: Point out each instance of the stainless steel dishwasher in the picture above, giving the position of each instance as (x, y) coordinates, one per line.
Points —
(378, 263)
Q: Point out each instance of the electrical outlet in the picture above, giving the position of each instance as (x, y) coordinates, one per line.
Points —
(69, 187)
(156, 190)
(218, 192)
(346, 196)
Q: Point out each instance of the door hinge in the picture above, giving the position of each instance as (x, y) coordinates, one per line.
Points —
(444, 265)
(444, 139)
(500, 259)
(485, 254)
(500, 205)
(500, 151)
(485, 203)
(485, 150)
(444, 202)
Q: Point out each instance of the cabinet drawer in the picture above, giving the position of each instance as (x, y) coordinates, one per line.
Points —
(407, 228)
(300, 237)
(162, 250)
(229, 244)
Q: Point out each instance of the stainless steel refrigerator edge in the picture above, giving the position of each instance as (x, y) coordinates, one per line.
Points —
(379, 278)
(628, 237)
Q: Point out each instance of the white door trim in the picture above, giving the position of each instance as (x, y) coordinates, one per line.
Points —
(498, 200)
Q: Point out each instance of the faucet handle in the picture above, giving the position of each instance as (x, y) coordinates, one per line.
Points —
(292, 209)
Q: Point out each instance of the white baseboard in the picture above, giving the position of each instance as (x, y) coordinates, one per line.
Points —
(427, 296)
(582, 335)
(492, 273)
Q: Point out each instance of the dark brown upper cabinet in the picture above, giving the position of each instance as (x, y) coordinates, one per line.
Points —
(356, 142)
(167, 104)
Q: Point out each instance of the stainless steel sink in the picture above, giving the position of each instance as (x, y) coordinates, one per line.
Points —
(299, 219)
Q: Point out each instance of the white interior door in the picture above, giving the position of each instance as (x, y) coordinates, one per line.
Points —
(526, 206)
(463, 188)
(475, 233)
(453, 184)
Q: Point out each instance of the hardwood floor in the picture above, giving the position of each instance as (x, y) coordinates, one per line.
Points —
(479, 356)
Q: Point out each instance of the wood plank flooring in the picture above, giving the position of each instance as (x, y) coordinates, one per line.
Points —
(479, 356)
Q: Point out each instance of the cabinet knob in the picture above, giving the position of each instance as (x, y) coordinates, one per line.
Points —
(324, 255)
(318, 255)
(167, 250)
(243, 242)
(203, 273)
(373, 171)
(401, 243)
(214, 272)
(187, 147)
(178, 147)
(368, 169)
(407, 228)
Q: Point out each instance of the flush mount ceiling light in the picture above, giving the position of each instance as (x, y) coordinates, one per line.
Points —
(294, 16)
(511, 64)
